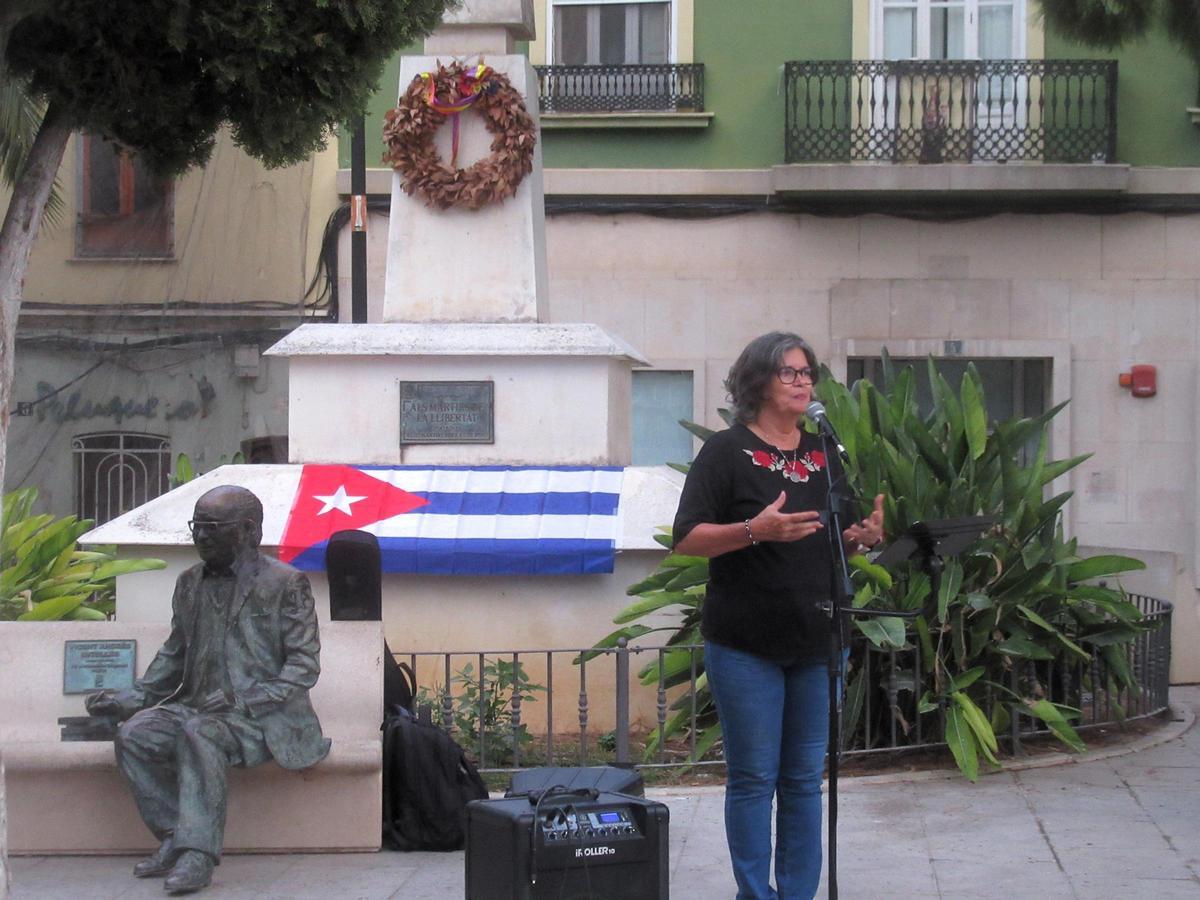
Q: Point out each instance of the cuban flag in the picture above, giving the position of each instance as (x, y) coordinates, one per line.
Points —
(450, 520)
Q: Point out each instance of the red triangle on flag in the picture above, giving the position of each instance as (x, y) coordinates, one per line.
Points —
(334, 498)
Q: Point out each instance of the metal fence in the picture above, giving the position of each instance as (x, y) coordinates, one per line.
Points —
(629, 88)
(882, 716)
(546, 722)
(932, 111)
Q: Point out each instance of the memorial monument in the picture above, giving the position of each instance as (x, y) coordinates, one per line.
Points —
(466, 299)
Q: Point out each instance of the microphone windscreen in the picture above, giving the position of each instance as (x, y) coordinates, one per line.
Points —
(814, 409)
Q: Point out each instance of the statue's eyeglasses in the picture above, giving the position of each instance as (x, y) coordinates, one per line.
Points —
(788, 375)
(195, 525)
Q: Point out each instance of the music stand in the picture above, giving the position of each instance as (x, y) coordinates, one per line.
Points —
(927, 543)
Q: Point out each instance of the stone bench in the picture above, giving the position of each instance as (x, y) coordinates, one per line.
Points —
(68, 797)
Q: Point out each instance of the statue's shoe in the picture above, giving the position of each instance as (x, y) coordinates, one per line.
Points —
(157, 863)
(193, 871)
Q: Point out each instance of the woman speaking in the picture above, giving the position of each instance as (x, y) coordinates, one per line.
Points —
(751, 504)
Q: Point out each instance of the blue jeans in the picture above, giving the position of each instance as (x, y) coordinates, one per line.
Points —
(775, 727)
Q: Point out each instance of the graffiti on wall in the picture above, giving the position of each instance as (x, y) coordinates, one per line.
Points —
(75, 407)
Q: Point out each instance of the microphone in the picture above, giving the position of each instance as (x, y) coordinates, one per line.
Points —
(816, 414)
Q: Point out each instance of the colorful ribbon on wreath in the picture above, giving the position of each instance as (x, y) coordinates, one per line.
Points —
(471, 86)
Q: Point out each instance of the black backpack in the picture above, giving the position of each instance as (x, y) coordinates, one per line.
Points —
(427, 783)
(399, 683)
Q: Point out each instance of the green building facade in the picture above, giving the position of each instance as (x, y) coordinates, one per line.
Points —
(743, 48)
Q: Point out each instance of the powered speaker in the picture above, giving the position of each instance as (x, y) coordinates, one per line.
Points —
(581, 844)
(353, 567)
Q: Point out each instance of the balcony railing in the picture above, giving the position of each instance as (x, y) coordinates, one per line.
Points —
(931, 111)
(613, 89)
(567, 714)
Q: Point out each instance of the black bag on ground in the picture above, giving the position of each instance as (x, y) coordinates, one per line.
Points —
(399, 684)
(427, 783)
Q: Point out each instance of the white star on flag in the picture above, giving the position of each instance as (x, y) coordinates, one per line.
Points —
(338, 500)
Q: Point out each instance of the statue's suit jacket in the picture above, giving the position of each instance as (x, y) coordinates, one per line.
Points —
(272, 652)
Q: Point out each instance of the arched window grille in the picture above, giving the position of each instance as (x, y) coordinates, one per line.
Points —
(117, 471)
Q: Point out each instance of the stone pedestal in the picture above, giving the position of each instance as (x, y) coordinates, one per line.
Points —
(487, 26)
(562, 392)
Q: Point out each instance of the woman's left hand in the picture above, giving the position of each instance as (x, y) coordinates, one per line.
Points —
(869, 531)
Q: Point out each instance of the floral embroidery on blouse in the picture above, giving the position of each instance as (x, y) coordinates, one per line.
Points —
(797, 469)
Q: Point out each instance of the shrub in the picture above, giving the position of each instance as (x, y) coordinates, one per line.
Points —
(1018, 598)
(44, 575)
(482, 708)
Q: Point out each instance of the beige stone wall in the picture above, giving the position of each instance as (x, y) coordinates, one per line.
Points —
(242, 233)
(1093, 293)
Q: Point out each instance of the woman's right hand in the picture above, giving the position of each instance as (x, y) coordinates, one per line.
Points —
(772, 524)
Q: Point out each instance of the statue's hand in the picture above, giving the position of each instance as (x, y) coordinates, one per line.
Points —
(109, 704)
(103, 703)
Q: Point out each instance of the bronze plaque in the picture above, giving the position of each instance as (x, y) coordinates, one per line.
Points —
(447, 412)
(94, 665)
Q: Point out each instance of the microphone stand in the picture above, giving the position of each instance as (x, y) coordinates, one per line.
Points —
(840, 607)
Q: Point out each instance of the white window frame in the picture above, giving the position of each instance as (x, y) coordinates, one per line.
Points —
(971, 36)
(673, 44)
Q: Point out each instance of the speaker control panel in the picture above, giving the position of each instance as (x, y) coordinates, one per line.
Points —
(581, 825)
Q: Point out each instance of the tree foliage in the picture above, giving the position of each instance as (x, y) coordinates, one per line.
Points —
(161, 76)
(1110, 23)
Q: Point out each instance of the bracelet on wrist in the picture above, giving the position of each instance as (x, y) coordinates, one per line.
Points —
(750, 534)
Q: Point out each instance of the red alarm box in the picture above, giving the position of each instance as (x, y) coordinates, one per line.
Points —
(1141, 380)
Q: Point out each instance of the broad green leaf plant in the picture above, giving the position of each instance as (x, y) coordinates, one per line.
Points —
(45, 575)
(1018, 600)
(185, 470)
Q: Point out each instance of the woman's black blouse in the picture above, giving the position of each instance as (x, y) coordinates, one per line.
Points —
(766, 598)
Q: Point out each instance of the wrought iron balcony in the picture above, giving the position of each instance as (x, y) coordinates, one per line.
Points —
(931, 111)
(618, 89)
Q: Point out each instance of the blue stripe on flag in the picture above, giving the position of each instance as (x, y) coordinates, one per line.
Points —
(427, 556)
(580, 503)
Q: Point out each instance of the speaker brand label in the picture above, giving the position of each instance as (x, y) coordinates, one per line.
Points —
(594, 851)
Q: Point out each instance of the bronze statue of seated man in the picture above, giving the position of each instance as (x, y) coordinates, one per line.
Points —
(228, 688)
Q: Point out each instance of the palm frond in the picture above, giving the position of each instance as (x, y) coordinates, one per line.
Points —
(20, 118)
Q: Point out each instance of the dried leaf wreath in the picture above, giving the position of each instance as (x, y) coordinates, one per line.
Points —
(434, 97)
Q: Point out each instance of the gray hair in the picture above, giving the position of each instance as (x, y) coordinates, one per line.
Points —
(748, 377)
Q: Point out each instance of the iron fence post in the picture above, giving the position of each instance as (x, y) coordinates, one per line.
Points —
(622, 723)
(1112, 110)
